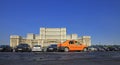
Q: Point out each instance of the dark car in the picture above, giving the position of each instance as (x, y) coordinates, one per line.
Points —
(118, 47)
(52, 48)
(23, 48)
(113, 48)
(104, 48)
(99, 48)
(5, 48)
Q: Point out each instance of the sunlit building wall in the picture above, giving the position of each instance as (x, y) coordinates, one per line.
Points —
(48, 36)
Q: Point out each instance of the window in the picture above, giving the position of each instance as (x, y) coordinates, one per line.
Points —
(71, 42)
(76, 42)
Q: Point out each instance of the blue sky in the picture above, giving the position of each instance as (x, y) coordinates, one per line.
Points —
(98, 18)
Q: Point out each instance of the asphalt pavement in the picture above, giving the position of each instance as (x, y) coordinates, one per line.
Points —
(60, 58)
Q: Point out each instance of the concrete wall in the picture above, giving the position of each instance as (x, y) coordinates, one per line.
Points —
(52, 33)
(14, 40)
(86, 40)
(30, 36)
(37, 36)
(74, 36)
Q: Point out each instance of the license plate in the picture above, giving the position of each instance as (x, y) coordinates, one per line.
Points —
(19, 49)
(51, 48)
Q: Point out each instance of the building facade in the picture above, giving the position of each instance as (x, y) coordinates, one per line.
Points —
(48, 36)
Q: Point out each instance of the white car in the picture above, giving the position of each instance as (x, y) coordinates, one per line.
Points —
(37, 48)
(91, 48)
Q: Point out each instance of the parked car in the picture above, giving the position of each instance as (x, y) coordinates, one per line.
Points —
(5, 48)
(37, 48)
(118, 47)
(105, 48)
(113, 48)
(100, 48)
(23, 48)
(52, 48)
(91, 48)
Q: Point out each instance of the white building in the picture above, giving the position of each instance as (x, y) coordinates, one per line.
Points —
(48, 36)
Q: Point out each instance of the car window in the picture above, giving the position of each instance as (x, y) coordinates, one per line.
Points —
(2, 45)
(25, 45)
(7, 46)
(71, 42)
(53, 45)
(77, 43)
(37, 45)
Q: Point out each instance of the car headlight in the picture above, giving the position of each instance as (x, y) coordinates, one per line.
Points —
(1, 48)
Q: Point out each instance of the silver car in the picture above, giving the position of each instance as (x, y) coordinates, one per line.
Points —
(91, 48)
(37, 48)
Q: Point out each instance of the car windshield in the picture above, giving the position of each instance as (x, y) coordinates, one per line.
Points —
(21, 45)
(53, 45)
(37, 45)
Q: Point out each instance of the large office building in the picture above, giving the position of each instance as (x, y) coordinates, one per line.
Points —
(48, 36)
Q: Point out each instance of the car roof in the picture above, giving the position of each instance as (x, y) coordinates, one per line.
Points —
(4, 46)
(53, 44)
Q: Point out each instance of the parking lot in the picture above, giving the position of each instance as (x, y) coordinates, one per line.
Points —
(60, 58)
(24, 55)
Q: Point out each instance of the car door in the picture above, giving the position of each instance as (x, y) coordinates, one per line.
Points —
(78, 46)
(72, 45)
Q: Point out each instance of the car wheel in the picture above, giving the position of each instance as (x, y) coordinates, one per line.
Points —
(85, 49)
(16, 51)
(66, 49)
